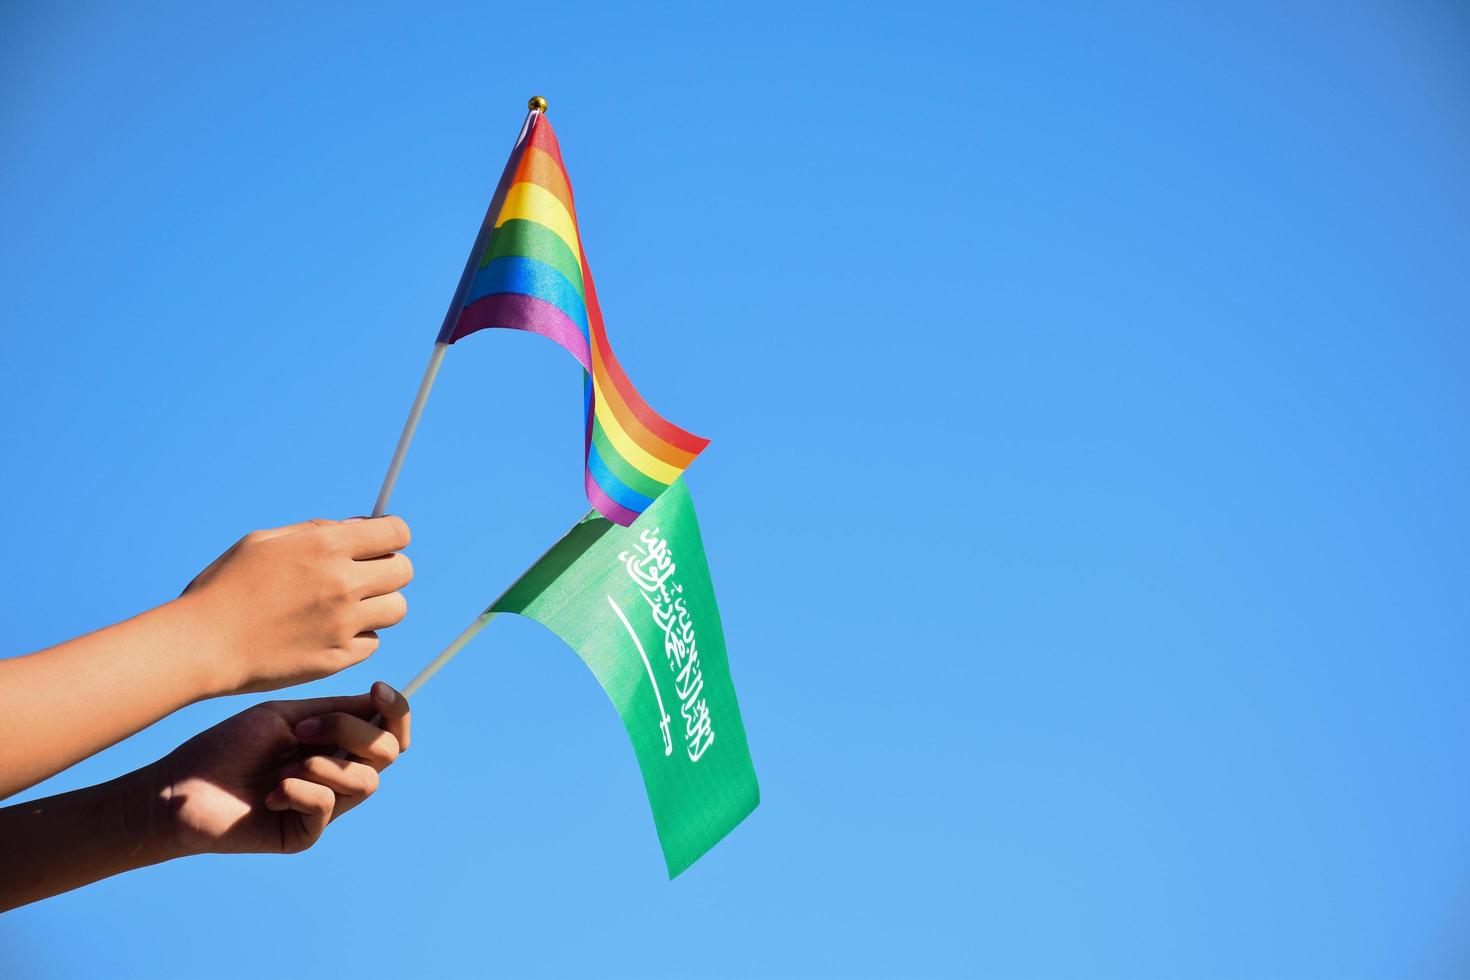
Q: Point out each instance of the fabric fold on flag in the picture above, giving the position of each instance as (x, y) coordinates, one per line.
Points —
(533, 275)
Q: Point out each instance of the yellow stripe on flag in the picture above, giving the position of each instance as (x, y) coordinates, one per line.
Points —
(532, 202)
(644, 462)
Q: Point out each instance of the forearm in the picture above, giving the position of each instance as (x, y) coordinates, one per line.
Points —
(65, 703)
(53, 845)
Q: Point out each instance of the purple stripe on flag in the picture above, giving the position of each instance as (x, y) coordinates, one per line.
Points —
(606, 506)
(514, 311)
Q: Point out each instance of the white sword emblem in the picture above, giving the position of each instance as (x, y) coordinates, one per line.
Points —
(664, 715)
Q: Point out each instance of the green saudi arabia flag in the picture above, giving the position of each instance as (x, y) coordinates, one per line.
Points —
(637, 605)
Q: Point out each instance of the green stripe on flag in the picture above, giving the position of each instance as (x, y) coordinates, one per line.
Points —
(632, 477)
(527, 238)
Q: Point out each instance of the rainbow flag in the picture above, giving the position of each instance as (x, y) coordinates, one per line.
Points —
(528, 271)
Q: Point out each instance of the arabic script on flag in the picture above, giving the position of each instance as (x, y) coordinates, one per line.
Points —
(650, 563)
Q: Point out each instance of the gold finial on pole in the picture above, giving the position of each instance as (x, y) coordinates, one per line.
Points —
(537, 104)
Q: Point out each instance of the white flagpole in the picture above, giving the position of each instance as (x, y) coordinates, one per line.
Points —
(381, 507)
(422, 677)
(537, 105)
(448, 653)
(481, 621)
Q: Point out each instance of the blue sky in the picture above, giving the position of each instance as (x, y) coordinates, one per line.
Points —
(1086, 498)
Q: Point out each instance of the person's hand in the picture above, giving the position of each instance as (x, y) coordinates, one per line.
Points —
(301, 602)
(280, 607)
(267, 780)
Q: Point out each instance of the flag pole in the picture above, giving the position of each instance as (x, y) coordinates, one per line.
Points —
(448, 653)
(481, 621)
(422, 677)
(462, 640)
(381, 507)
(535, 106)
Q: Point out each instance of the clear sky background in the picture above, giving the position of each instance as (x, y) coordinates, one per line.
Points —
(1087, 495)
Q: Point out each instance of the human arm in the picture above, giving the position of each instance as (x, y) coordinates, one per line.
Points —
(280, 607)
(260, 782)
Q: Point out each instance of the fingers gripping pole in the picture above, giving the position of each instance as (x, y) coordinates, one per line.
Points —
(381, 507)
(412, 687)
